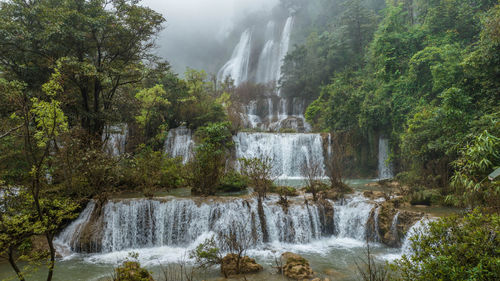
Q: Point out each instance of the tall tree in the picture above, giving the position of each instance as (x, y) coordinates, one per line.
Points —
(100, 46)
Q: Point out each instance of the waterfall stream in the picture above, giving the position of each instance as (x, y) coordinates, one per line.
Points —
(148, 223)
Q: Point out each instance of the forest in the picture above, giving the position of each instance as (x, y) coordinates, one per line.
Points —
(343, 140)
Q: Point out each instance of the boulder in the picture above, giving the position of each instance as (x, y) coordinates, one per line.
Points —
(231, 267)
(330, 194)
(393, 230)
(132, 271)
(296, 267)
(373, 194)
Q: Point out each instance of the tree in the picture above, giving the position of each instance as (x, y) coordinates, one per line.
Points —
(209, 162)
(82, 36)
(312, 173)
(259, 173)
(42, 122)
(470, 180)
(455, 248)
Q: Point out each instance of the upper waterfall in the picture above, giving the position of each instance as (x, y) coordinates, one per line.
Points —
(284, 44)
(237, 66)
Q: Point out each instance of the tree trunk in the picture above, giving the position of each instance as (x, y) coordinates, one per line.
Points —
(14, 265)
(262, 218)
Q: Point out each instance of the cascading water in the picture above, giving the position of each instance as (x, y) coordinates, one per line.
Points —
(179, 143)
(115, 139)
(288, 153)
(268, 65)
(284, 44)
(144, 223)
(237, 66)
(384, 166)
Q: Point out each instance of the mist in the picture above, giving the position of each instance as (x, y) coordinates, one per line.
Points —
(197, 31)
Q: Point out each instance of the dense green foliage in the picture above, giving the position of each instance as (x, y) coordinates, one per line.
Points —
(455, 248)
(423, 73)
(208, 166)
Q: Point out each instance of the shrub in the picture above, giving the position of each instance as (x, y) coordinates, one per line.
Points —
(455, 248)
(233, 182)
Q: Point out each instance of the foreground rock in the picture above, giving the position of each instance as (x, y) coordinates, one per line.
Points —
(132, 271)
(230, 265)
(296, 267)
(390, 225)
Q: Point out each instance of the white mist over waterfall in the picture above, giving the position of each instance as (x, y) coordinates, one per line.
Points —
(288, 153)
(237, 66)
(384, 166)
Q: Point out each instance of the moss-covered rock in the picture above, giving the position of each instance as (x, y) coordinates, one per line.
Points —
(296, 267)
(132, 271)
(233, 265)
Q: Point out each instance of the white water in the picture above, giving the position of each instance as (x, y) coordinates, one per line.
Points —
(288, 153)
(115, 139)
(384, 166)
(179, 143)
(284, 44)
(237, 66)
(268, 64)
(184, 223)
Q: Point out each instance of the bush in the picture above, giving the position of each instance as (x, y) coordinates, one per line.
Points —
(426, 197)
(233, 182)
(455, 248)
(284, 190)
(149, 170)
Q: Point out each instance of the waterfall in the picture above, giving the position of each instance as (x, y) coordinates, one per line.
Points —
(288, 153)
(351, 217)
(384, 167)
(237, 66)
(115, 139)
(179, 143)
(394, 227)
(147, 223)
(375, 219)
(284, 44)
(419, 227)
(268, 64)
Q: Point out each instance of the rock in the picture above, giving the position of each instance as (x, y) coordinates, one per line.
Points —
(372, 184)
(230, 266)
(391, 230)
(316, 279)
(373, 194)
(132, 271)
(326, 215)
(330, 194)
(296, 267)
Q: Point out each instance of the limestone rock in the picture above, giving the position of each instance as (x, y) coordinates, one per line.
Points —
(230, 266)
(373, 194)
(330, 194)
(296, 267)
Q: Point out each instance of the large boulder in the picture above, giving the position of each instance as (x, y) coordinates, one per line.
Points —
(230, 265)
(392, 229)
(296, 267)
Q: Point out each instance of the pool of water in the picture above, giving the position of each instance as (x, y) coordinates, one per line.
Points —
(330, 257)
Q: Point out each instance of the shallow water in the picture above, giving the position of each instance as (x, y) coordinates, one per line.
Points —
(331, 257)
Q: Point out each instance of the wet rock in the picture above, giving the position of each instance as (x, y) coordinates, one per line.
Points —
(232, 265)
(326, 214)
(296, 267)
(393, 229)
